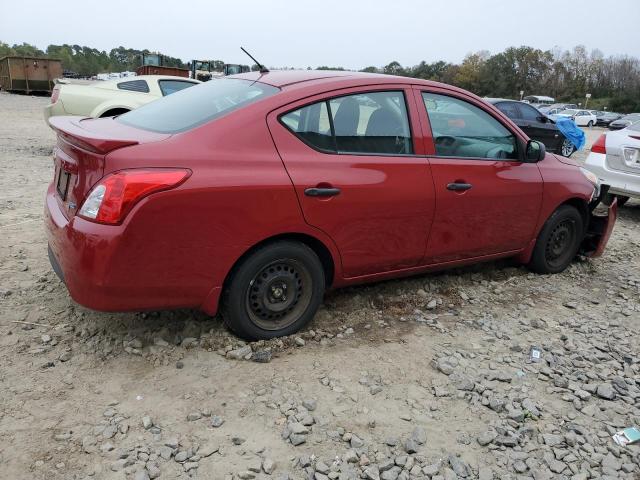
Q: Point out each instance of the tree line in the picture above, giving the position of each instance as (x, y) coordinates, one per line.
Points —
(87, 61)
(566, 75)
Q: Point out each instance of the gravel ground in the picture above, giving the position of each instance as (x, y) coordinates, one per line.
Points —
(428, 377)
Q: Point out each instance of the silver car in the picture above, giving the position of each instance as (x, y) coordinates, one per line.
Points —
(615, 159)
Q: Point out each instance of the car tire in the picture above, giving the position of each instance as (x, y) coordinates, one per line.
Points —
(622, 200)
(590, 124)
(567, 148)
(274, 291)
(558, 241)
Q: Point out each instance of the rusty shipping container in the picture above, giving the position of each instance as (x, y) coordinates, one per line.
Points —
(29, 74)
(155, 70)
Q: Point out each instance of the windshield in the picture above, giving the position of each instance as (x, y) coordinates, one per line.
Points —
(194, 106)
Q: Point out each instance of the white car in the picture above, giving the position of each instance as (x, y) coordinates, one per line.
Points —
(615, 159)
(111, 97)
(583, 118)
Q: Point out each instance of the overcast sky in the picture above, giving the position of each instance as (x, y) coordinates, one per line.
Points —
(348, 33)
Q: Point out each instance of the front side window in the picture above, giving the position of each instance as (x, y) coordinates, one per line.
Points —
(167, 87)
(461, 129)
(192, 107)
(367, 123)
(529, 113)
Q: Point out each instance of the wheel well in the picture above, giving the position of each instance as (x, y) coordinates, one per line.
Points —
(114, 111)
(582, 207)
(324, 255)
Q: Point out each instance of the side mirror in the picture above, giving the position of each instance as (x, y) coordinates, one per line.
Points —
(543, 119)
(535, 151)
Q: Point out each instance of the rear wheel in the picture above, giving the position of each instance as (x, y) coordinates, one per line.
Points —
(590, 124)
(558, 242)
(275, 291)
(567, 148)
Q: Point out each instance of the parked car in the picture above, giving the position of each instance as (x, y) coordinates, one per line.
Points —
(563, 106)
(582, 117)
(615, 159)
(535, 124)
(257, 192)
(625, 121)
(111, 97)
(605, 118)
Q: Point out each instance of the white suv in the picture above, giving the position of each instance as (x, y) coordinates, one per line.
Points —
(615, 159)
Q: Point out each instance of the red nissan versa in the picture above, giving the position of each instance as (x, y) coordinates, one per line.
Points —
(257, 192)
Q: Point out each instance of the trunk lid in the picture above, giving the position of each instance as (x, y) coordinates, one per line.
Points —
(81, 152)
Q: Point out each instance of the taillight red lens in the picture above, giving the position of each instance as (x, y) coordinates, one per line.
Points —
(55, 94)
(600, 145)
(115, 195)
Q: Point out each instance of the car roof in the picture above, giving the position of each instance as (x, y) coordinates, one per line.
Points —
(284, 78)
(497, 100)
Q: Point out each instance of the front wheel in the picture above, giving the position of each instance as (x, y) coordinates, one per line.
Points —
(558, 242)
(275, 291)
(567, 148)
(622, 200)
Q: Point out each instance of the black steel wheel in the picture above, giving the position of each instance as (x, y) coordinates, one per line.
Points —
(558, 241)
(278, 294)
(274, 291)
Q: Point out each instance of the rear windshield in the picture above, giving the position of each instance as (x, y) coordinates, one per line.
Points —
(194, 106)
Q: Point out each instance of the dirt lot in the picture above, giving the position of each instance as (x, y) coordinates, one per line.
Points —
(428, 377)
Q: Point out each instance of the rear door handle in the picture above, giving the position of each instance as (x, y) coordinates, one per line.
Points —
(459, 187)
(322, 192)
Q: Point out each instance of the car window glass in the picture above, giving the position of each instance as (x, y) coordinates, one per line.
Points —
(311, 124)
(529, 113)
(191, 107)
(134, 86)
(509, 109)
(375, 122)
(461, 129)
(167, 87)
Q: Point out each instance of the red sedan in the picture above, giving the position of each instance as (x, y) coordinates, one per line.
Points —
(253, 194)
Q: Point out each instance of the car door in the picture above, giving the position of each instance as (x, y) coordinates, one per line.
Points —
(487, 199)
(538, 127)
(360, 174)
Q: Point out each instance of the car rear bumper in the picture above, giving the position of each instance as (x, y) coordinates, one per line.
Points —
(620, 183)
(115, 268)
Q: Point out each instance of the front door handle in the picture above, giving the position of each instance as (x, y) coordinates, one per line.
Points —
(322, 192)
(459, 187)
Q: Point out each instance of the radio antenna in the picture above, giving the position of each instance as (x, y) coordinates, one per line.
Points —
(262, 68)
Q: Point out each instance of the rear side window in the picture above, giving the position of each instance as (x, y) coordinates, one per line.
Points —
(134, 86)
(371, 123)
(194, 106)
(312, 125)
(463, 130)
(509, 109)
(167, 87)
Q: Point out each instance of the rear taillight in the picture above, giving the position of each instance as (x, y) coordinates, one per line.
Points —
(55, 94)
(115, 195)
(599, 145)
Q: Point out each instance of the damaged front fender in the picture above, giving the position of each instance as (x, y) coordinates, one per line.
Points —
(602, 217)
